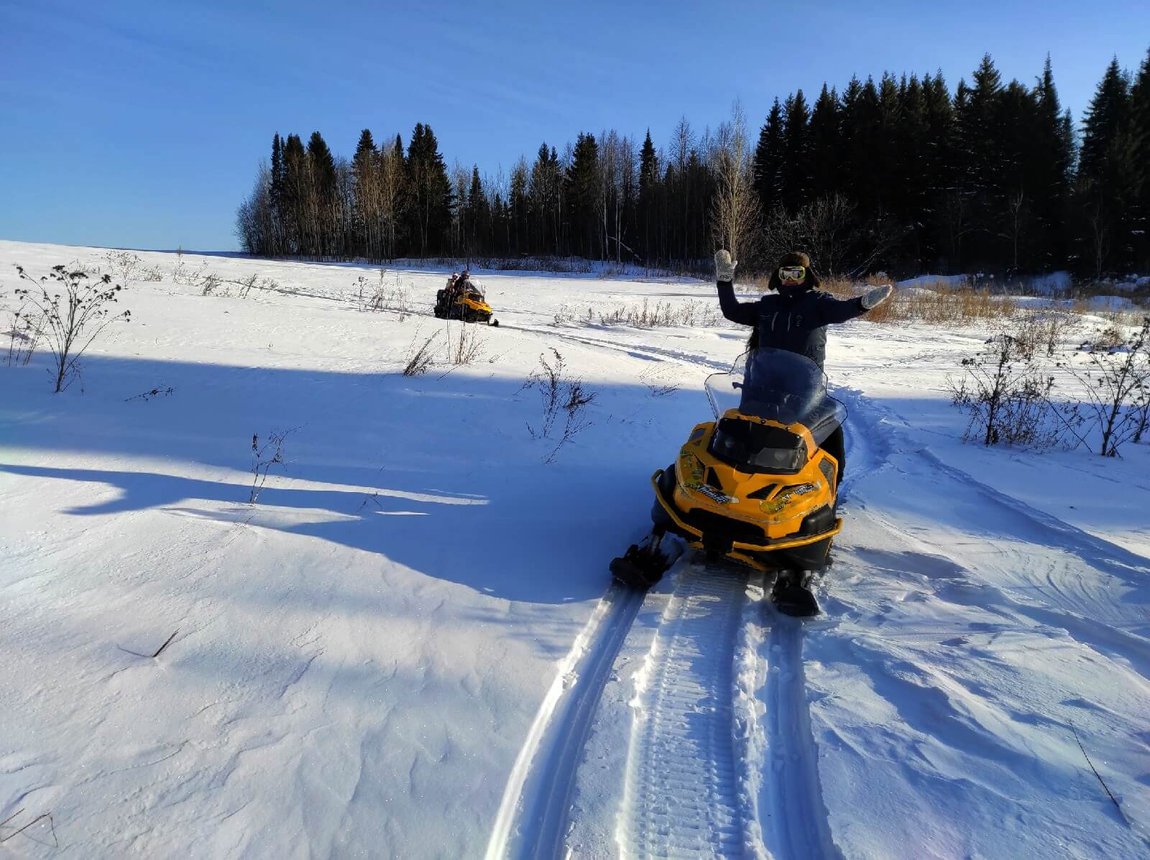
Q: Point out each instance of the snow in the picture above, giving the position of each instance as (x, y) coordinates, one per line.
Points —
(929, 281)
(1050, 284)
(1131, 285)
(1109, 303)
(408, 644)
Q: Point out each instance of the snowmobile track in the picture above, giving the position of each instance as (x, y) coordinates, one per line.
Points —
(793, 802)
(682, 795)
(645, 352)
(693, 784)
(532, 821)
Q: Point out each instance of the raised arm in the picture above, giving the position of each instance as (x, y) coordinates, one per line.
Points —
(835, 310)
(732, 308)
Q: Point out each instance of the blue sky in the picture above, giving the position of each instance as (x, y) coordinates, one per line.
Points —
(141, 123)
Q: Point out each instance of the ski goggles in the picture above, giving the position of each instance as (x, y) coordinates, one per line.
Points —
(792, 274)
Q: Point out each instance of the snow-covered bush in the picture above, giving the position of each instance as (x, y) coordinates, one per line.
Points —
(560, 396)
(1041, 332)
(1007, 395)
(126, 267)
(420, 357)
(381, 296)
(1007, 388)
(466, 346)
(23, 333)
(73, 308)
(189, 277)
(1115, 383)
(265, 454)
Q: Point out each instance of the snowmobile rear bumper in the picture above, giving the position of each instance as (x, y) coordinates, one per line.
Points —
(807, 549)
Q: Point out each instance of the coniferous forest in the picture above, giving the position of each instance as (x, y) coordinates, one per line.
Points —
(902, 175)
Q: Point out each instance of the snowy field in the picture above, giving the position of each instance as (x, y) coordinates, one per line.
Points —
(408, 645)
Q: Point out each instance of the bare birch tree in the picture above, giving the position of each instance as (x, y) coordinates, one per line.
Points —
(735, 216)
(390, 195)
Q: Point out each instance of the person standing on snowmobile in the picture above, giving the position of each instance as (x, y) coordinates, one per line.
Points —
(794, 317)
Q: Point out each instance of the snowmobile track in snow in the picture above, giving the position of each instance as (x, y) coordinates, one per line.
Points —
(691, 784)
(682, 794)
(532, 820)
(647, 352)
(799, 825)
(695, 781)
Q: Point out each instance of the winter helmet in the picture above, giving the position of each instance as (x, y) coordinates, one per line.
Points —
(793, 271)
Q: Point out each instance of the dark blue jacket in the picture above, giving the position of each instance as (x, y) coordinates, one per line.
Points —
(795, 321)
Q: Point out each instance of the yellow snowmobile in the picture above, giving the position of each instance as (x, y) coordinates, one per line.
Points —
(759, 484)
(463, 300)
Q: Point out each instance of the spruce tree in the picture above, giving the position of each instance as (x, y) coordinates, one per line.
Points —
(911, 140)
(429, 194)
(1106, 174)
(796, 168)
(861, 145)
(1104, 122)
(583, 197)
(648, 198)
(296, 191)
(1013, 217)
(476, 216)
(545, 200)
(982, 131)
(319, 231)
(887, 167)
(1139, 147)
(824, 145)
(768, 169)
(701, 187)
(518, 212)
(365, 168)
(940, 134)
(1052, 157)
(277, 245)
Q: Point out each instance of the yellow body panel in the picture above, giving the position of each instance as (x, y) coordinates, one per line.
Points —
(476, 304)
(774, 503)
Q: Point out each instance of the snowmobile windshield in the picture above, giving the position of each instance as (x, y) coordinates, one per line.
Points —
(773, 384)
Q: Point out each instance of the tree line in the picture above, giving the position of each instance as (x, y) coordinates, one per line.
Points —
(900, 174)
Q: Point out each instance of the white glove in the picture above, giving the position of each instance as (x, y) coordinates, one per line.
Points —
(724, 266)
(874, 298)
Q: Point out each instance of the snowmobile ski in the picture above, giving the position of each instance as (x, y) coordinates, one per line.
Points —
(643, 564)
(792, 594)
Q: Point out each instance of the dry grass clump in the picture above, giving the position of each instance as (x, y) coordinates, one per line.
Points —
(657, 314)
(948, 305)
(758, 283)
(938, 303)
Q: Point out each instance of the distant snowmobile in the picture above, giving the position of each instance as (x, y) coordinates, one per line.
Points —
(462, 299)
(754, 486)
